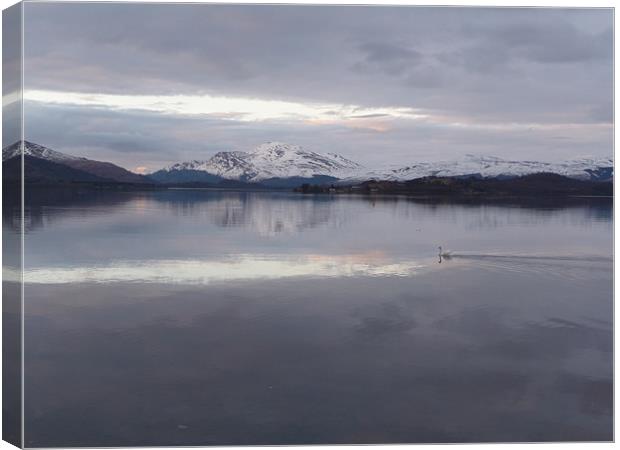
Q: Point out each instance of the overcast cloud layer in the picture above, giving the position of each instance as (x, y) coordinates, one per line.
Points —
(148, 85)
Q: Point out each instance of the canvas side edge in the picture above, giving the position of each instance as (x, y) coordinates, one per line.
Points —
(12, 234)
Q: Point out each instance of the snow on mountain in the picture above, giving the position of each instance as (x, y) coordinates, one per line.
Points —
(102, 170)
(276, 161)
(271, 160)
(232, 166)
(492, 167)
(279, 160)
(37, 151)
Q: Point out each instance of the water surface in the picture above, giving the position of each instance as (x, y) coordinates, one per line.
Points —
(215, 317)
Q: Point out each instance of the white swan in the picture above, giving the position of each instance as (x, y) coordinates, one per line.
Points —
(445, 254)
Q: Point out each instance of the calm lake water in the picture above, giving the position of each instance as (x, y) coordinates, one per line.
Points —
(214, 317)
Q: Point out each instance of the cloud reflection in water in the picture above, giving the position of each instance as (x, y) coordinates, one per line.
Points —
(241, 267)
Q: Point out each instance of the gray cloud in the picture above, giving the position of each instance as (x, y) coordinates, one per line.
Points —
(603, 113)
(391, 58)
(135, 138)
(476, 66)
(11, 75)
(556, 42)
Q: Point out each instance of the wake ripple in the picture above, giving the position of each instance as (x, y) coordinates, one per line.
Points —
(574, 267)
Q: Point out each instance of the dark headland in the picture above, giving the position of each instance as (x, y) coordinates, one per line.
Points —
(545, 184)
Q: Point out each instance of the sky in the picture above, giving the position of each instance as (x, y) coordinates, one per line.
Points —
(147, 85)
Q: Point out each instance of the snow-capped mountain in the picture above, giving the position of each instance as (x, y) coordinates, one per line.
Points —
(273, 160)
(37, 151)
(600, 169)
(278, 164)
(276, 160)
(48, 164)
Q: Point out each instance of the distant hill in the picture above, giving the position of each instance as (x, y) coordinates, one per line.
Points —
(184, 176)
(595, 169)
(42, 171)
(275, 163)
(222, 184)
(37, 170)
(281, 164)
(550, 184)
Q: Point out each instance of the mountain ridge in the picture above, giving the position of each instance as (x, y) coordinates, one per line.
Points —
(282, 165)
(280, 160)
(272, 160)
(101, 170)
(484, 166)
(531, 185)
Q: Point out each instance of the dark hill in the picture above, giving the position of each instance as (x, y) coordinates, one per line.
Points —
(100, 169)
(175, 177)
(547, 184)
(108, 171)
(41, 171)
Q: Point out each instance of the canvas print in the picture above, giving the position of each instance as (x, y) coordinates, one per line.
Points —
(229, 224)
